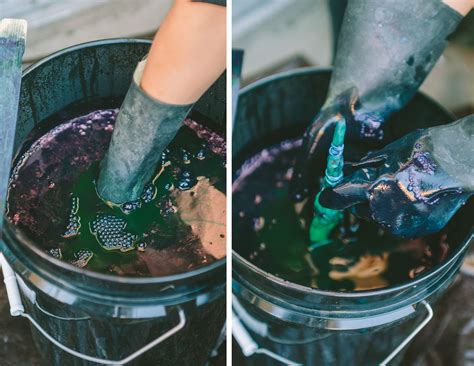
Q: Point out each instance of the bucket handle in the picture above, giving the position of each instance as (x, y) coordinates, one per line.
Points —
(17, 309)
(249, 347)
(414, 332)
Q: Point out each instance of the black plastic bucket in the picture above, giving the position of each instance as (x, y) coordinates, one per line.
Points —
(172, 320)
(279, 320)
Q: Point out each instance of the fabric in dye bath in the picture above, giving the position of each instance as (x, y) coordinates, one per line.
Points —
(271, 231)
(177, 225)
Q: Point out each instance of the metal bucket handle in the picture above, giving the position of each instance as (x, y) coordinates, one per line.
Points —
(17, 309)
(249, 347)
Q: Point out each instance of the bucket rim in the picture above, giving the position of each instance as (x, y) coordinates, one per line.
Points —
(434, 271)
(17, 235)
(80, 46)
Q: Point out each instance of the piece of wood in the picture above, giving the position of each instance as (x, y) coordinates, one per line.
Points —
(12, 47)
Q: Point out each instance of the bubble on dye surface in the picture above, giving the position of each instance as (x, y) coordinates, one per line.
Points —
(185, 156)
(165, 157)
(74, 221)
(110, 232)
(202, 153)
(55, 252)
(129, 207)
(81, 258)
(149, 193)
(186, 180)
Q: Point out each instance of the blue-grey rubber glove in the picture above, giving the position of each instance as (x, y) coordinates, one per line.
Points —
(143, 129)
(415, 185)
(385, 50)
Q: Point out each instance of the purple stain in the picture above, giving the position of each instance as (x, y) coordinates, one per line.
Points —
(422, 161)
(371, 125)
(166, 207)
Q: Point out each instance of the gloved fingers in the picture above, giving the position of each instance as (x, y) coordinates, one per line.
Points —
(346, 102)
(376, 155)
(323, 125)
(362, 210)
(372, 162)
(453, 194)
(352, 191)
(312, 159)
(317, 140)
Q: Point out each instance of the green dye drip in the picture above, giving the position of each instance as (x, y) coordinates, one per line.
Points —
(325, 219)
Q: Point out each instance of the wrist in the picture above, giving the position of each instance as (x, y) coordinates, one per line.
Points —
(149, 92)
(453, 149)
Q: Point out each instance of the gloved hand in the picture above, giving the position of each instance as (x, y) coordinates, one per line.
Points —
(413, 186)
(318, 136)
(385, 50)
(144, 127)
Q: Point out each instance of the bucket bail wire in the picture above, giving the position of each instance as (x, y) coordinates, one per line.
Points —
(250, 347)
(17, 309)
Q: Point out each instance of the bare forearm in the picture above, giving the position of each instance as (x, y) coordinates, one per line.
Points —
(461, 6)
(188, 53)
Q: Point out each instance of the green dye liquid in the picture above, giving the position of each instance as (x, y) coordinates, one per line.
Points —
(166, 241)
(272, 232)
(149, 216)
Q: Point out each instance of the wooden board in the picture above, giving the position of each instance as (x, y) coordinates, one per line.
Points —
(12, 46)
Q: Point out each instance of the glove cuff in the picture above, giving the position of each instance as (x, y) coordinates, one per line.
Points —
(143, 129)
(387, 48)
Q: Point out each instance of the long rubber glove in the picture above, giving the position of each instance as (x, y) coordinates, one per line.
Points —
(385, 50)
(414, 185)
(144, 127)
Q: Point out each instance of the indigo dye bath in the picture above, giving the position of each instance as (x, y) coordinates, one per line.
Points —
(177, 225)
(271, 231)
